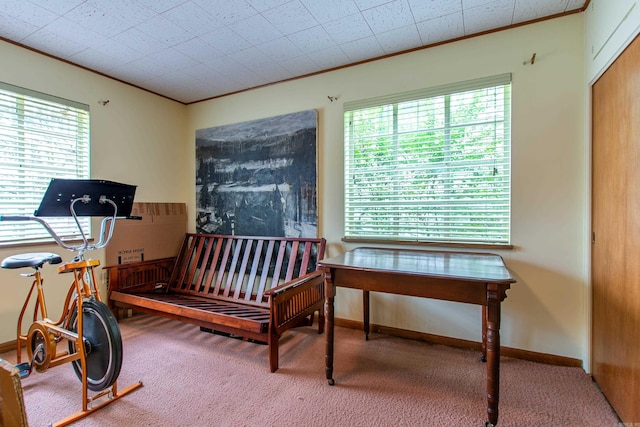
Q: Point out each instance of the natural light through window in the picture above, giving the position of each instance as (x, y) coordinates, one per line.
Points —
(430, 165)
(41, 137)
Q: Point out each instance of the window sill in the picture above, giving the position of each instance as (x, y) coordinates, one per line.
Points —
(469, 245)
(39, 242)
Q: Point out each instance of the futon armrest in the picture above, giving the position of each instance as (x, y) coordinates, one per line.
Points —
(291, 302)
(138, 276)
(305, 281)
(160, 287)
(130, 265)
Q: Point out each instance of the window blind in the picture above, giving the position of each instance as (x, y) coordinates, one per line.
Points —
(41, 137)
(430, 165)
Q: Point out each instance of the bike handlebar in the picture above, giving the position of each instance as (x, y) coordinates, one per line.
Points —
(106, 231)
(14, 218)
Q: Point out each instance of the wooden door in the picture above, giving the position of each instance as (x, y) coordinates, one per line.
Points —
(615, 259)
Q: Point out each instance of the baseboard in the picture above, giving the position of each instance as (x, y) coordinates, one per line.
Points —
(549, 359)
(8, 346)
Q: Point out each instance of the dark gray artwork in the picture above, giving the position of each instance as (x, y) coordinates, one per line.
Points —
(258, 178)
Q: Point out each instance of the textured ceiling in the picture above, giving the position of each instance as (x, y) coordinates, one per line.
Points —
(190, 50)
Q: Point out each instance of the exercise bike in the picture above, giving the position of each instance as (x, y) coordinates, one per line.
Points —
(87, 326)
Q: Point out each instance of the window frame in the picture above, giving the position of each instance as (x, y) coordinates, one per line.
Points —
(42, 137)
(393, 101)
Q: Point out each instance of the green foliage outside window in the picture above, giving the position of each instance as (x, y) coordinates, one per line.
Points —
(430, 169)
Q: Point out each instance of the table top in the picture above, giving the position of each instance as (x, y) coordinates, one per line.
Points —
(481, 267)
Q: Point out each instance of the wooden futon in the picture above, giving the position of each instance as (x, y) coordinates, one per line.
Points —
(251, 287)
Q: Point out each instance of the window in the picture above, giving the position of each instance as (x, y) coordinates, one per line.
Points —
(430, 165)
(41, 137)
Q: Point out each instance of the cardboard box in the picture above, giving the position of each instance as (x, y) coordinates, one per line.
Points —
(157, 235)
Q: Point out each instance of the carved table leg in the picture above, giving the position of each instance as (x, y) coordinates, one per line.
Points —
(329, 296)
(365, 309)
(493, 352)
(484, 333)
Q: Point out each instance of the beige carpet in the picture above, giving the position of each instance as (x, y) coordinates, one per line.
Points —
(193, 378)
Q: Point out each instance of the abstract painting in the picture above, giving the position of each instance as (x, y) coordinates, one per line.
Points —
(258, 178)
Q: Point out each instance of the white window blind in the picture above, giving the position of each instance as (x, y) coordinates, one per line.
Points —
(41, 137)
(430, 165)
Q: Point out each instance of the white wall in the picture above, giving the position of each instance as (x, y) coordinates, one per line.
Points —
(546, 310)
(137, 138)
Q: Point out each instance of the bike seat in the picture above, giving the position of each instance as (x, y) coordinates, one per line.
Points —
(35, 260)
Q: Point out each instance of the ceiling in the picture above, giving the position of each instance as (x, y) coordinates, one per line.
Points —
(191, 50)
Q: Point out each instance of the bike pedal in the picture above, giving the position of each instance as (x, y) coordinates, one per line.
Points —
(24, 370)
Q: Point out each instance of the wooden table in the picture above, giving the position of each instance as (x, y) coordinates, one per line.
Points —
(474, 278)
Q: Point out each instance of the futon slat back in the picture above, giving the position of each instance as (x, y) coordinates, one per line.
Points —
(242, 268)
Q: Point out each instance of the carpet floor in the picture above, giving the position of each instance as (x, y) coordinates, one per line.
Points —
(192, 378)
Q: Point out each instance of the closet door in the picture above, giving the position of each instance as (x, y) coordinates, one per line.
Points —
(615, 260)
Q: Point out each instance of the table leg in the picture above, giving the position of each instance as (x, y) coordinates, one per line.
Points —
(365, 309)
(493, 353)
(329, 295)
(484, 333)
